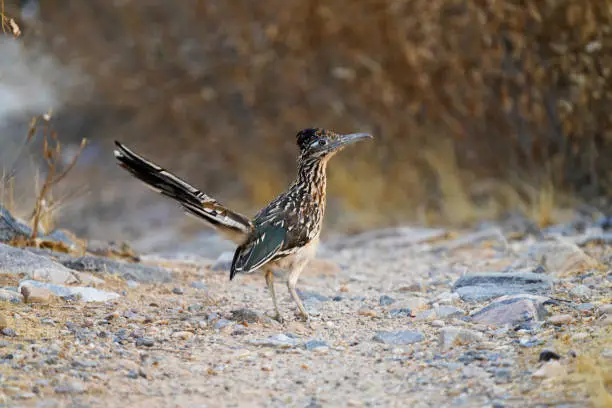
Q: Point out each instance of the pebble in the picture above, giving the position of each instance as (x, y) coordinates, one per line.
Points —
(144, 342)
(386, 300)
(198, 285)
(281, 341)
(448, 312)
(182, 335)
(178, 291)
(399, 337)
(36, 295)
(305, 296)
(450, 336)
(71, 387)
(246, 315)
(8, 332)
(402, 312)
(315, 344)
(367, 312)
(437, 323)
(560, 320)
(580, 291)
(585, 307)
(221, 323)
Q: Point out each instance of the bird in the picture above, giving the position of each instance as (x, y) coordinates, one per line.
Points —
(284, 234)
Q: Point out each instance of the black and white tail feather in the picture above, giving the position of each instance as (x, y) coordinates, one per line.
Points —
(231, 224)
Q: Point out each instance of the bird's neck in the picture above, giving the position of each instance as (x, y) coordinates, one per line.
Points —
(312, 176)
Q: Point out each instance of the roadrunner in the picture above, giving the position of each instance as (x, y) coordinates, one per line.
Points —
(285, 233)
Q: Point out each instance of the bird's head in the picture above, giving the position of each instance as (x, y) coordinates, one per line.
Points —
(322, 144)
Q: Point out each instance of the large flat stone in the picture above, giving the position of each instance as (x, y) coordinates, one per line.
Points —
(484, 286)
(17, 261)
(130, 271)
(512, 310)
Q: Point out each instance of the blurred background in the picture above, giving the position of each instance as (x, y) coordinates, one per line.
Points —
(480, 108)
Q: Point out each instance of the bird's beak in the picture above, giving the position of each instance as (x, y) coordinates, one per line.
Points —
(350, 139)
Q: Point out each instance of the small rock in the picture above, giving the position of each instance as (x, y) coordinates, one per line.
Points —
(399, 337)
(221, 323)
(198, 285)
(182, 335)
(580, 291)
(278, 341)
(402, 312)
(315, 344)
(413, 287)
(560, 320)
(364, 311)
(449, 312)
(178, 291)
(548, 355)
(484, 286)
(36, 295)
(550, 369)
(585, 307)
(132, 374)
(527, 341)
(450, 336)
(246, 315)
(86, 294)
(426, 315)
(437, 323)
(144, 342)
(513, 310)
(71, 387)
(386, 300)
(8, 332)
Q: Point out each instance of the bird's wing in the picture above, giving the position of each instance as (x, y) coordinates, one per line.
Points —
(265, 243)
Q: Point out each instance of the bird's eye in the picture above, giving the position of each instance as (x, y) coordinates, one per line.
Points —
(322, 142)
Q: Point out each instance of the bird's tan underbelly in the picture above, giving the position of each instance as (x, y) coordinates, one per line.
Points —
(300, 258)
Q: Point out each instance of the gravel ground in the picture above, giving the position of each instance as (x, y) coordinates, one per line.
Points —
(393, 325)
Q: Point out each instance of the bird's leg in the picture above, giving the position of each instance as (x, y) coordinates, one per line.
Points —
(270, 282)
(296, 270)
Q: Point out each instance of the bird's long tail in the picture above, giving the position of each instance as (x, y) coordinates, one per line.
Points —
(231, 224)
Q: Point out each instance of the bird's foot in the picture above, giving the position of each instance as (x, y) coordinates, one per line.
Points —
(279, 318)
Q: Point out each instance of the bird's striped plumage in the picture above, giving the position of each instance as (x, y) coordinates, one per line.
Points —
(284, 233)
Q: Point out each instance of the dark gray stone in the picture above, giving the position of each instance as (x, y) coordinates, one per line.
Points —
(11, 228)
(246, 315)
(130, 271)
(513, 310)
(221, 323)
(315, 344)
(144, 342)
(399, 337)
(8, 332)
(386, 300)
(178, 291)
(484, 286)
(449, 312)
(400, 312)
